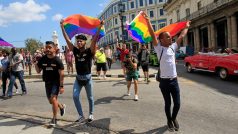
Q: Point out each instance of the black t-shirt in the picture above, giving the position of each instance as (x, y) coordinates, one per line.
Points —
(50, 68)
(83, 61)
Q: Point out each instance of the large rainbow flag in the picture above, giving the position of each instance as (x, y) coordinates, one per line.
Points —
(138, 29)
(76, 24)
(4, 43)
(173, 29)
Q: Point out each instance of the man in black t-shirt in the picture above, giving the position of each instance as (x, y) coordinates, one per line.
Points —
(53, 76)
(83, 62)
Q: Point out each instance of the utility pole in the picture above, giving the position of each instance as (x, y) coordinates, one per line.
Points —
(121, 10)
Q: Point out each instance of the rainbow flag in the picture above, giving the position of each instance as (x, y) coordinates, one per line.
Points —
(173, 29)
(4, 43)
(76, 24)
(138, 29)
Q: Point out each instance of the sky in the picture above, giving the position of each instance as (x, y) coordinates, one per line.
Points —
(22, 19)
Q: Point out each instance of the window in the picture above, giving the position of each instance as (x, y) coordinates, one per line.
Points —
(150, 2)
(187, 12)
(199, 4)
(151, 14)
(154, 27)
(115, 9)
(124, 18)
(161, 12)
(132, 5)
(116, 21)
(178, 15)
(161, 1)
(116, 34)
(133, 16)
(141, 3)
(161, 25)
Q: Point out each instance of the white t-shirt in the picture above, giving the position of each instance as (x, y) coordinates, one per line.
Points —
(167, 62)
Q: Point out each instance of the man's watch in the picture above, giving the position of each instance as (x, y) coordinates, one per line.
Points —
(62, 86)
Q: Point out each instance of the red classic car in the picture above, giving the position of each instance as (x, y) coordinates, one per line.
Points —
(223, 64)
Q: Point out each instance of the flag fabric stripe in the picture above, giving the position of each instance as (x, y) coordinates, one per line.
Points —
(4, 43)
(173, 29)
(76, 24)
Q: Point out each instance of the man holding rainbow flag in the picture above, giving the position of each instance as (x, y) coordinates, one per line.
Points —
(165, 50)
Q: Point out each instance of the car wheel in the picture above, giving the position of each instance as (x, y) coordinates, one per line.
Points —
(189, 68)
(223, 74)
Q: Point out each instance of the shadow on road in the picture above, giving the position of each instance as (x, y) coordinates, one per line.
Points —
(160, 130)
(109, 99)
(228, 87)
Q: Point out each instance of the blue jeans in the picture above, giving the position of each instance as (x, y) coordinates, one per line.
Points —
(170, 88)
(20, 76)
(89, 91)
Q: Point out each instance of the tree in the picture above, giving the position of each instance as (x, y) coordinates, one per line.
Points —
(32, 44)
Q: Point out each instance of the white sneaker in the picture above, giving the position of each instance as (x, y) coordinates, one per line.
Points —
(90, 118)
(128, 93)
(136, 98)
(17, 91)
(104, 77)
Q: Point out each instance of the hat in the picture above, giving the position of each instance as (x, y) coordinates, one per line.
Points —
(101, 49)
(38, 51)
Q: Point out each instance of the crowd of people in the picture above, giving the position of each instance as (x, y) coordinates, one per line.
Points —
(52, 68)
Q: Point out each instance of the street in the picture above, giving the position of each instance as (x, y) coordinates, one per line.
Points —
(208, 105)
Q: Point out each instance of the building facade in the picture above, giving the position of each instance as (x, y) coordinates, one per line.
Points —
(118, 12)
(213, 22)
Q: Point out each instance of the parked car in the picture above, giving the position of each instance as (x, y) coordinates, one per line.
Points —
(153, 58)
(180, 54)
(223, 64)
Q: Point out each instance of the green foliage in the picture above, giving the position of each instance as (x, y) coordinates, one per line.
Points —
(33, 44)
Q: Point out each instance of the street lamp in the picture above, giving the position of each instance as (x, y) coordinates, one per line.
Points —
(121, 10)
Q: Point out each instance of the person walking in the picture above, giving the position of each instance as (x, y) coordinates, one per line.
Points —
(123, 52)
(101, 62)
(143, 59)
(83, 62)
(28, 61)
(5, 72)
(130, 64)
(17, 71)
(168, 74)
(53, 76)
(69, 60)
(109, 56)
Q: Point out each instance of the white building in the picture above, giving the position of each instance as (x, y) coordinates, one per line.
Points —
(214, 22)
(113, 14)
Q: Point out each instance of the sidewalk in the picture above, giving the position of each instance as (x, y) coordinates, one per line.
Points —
(115, 72)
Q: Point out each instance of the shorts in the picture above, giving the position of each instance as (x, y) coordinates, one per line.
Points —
(145, 68)
(51, 89)
(134, 75)
(102, 66)
(1, 75)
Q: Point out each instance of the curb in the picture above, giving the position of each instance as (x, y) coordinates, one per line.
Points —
(93, 75)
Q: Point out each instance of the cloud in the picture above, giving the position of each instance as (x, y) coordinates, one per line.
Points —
(101, 4)
(22, 12)
(57, 17)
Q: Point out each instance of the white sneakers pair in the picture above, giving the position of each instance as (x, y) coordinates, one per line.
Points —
(136, 96)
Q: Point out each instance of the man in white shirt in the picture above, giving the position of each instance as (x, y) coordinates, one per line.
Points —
(168, 74)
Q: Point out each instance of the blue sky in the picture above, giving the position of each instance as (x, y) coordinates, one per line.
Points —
(22, 19)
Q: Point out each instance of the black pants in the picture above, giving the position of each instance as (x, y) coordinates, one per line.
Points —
(170, 87)
(109, 62)
(5, 76)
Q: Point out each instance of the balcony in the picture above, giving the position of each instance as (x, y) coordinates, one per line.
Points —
(208, 9)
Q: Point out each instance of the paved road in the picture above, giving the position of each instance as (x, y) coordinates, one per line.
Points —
(209, 105)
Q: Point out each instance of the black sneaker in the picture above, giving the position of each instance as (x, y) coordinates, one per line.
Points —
(176, 125)
(24, 93)
(81, 120)
(53, 122)
(62, 110)
(170, 126)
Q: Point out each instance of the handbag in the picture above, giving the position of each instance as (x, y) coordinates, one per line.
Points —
(158, 73)
(82, 80)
